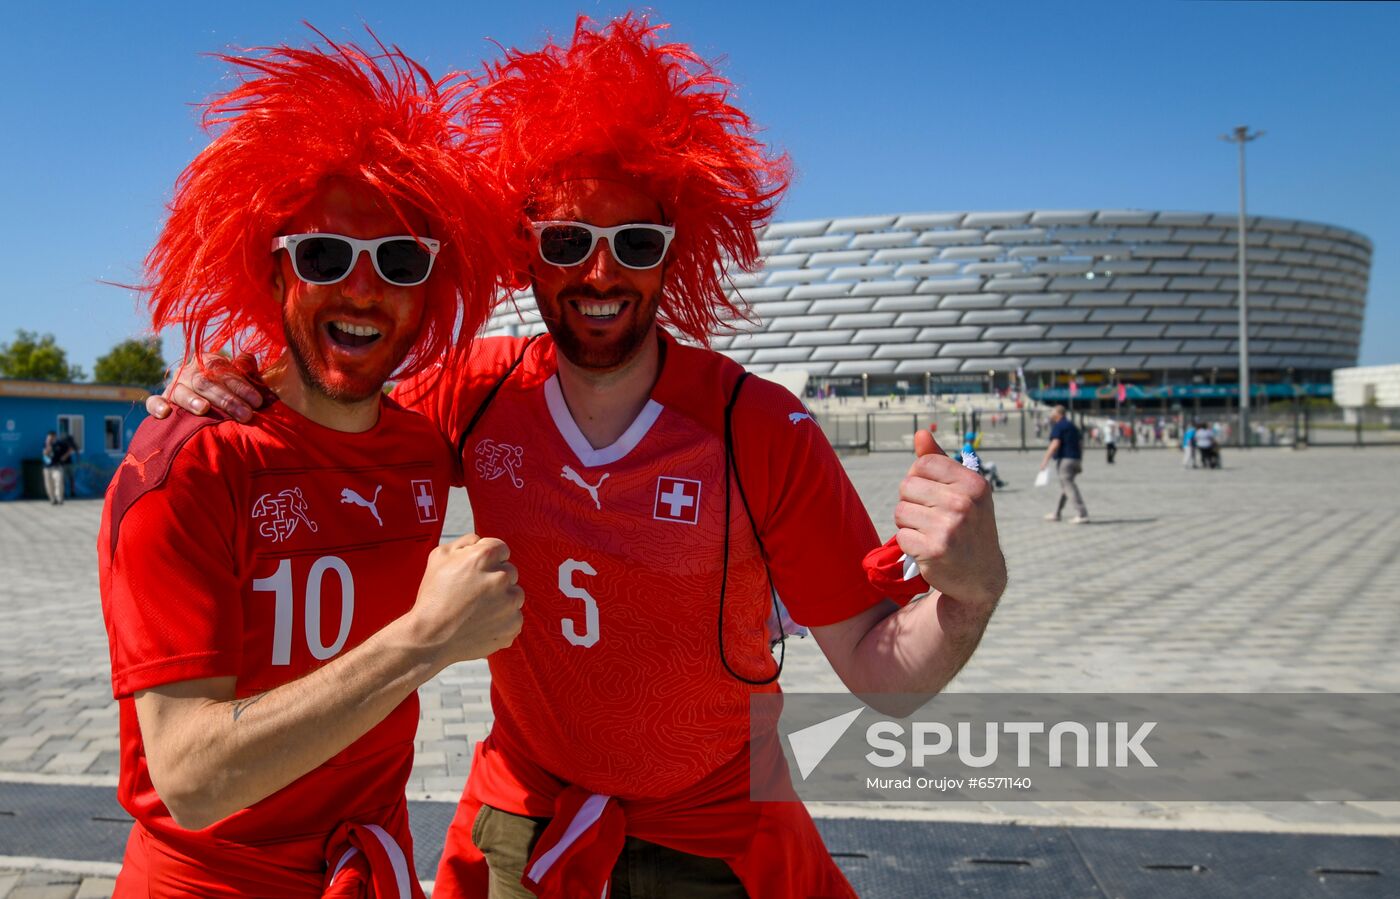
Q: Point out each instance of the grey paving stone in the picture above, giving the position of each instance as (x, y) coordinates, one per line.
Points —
(40, 885)
(1278, 573)
(96, 888)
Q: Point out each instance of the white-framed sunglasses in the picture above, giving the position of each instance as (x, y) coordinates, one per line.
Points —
(641, 245)
(402, 260)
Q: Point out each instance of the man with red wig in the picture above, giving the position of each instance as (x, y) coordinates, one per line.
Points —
(264, 586)
(658, 503)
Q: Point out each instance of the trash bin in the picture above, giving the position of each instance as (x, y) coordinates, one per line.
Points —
(33, 478)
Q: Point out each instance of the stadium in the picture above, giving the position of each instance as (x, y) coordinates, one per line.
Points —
(964, 301)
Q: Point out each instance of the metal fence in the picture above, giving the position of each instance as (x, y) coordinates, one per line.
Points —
(894, 431)
(1353, 427)
(1282, 424)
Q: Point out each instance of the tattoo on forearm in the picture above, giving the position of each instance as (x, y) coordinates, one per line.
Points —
(241, 706)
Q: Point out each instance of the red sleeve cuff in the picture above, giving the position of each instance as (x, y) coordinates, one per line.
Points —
(172, 671)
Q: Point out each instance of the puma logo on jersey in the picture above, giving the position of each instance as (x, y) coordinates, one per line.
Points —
(795, 417)
(140, 464)
(573, 477)
(350, 496)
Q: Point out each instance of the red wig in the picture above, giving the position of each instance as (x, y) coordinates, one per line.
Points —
(298, 117)
(661, 116)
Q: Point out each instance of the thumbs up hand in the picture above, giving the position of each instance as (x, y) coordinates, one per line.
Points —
(947, 525)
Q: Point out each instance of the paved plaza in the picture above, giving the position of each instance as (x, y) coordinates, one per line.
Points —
(1278, 573)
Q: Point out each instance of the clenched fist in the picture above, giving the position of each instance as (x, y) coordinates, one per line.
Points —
(948, 525)
(469, 602)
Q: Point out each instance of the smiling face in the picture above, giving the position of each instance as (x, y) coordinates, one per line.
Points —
(598, 312)
(347, 338)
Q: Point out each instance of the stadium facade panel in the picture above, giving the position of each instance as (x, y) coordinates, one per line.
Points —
(901, 295)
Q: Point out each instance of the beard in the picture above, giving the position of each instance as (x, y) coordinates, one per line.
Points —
(336, 381)
(602, 354)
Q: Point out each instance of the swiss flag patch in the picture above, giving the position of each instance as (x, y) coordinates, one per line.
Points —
(424, 502)
(677, 499)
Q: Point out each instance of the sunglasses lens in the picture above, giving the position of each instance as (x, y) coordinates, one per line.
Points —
(565, 244)
(322, 259)
(405, 262)
(639, 247)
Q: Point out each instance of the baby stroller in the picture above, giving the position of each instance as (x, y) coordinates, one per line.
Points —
(1208, 446)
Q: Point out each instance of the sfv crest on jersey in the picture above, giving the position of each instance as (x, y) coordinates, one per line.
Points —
(424, 501)
(280, 513)
(495, 459)
(677, 499)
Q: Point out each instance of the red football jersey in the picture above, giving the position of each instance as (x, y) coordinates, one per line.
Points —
(616, 683)
(261, 552)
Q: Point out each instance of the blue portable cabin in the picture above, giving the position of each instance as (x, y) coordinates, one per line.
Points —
(101, 418)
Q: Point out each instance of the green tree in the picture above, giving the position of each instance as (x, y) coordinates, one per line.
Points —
(36, 358)
(137, 361)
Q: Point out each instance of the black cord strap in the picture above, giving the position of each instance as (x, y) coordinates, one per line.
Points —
(731, 463)
(491, 395)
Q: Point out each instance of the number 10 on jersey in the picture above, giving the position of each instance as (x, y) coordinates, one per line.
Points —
(279, 583)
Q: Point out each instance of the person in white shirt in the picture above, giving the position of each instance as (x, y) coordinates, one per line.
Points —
(1206, 443)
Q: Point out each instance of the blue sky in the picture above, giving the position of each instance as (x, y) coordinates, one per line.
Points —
(890, 107)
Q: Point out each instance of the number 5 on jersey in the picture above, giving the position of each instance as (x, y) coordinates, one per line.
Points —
(590, 605)
(280, 584)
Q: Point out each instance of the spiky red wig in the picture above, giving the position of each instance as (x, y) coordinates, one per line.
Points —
(298, 117)
(663, 117)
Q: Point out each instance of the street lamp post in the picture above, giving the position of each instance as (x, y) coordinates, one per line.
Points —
(1242, 136)
(1293, 389)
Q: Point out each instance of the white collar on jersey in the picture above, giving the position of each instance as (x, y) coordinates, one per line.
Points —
(568, 428)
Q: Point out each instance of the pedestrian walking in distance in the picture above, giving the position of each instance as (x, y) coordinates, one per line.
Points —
(1066, 449)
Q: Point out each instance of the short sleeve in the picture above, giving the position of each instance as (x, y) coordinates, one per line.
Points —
(172, 593)
(431, 394)
(814, 527)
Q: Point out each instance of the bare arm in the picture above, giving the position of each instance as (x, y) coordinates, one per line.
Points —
(896, 659)
(1050, 452)
(947, 524)
(211, 755)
